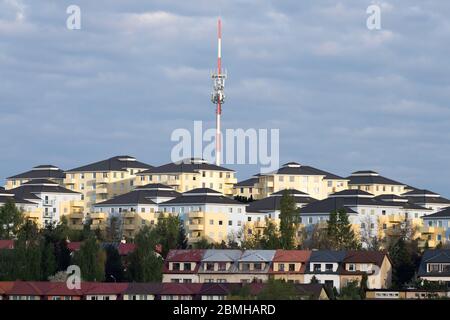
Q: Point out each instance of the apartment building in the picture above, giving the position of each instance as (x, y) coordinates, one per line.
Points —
(436, 229)
(247, 188)
(103, 180)
(207, 214)
(134, 209)
(47, 172)
(317, 183)
(371, 181)
(290, 265)
(190, 174)
(52, 200)
(182, 266)
(435, 266)
(29, 208)
(427, 199)
(371, 216)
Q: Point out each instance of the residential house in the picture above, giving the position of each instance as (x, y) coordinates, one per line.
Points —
(325, 267)
(290, 265)
(219, 266)
(182, 266)
(254, 266)
(435, 266)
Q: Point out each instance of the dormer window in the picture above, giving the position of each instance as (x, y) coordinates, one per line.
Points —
(281, 267)
(328, 267)
(187, 266)
(176, 266)
(257, 266)
(351, 267)
(222, 266)
(291, 267)
(210, 266)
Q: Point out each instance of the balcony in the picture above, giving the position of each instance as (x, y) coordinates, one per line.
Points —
(195, 227)
(77, 203)
(173, 182)
(33, 215)
(76, 215)
(98, 215)
(196, 214)
(48, 203)
(69, 181)
(431, 243)
(128, 214)
(101, 179)
(129, 227)
(395, 219)
(269, 184)
(428, 230)
(101, 190)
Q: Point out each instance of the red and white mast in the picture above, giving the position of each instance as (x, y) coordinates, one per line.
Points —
(218, 95)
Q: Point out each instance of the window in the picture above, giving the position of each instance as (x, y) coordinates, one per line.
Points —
(281, 267)
(230, 222)
(330, 184)
(176, 266)
(211, 222)
(363, 225)
(310, 220)
(257, 266)
(187, 266)
(317, 267)
(220, 222)
(222, 266)
(249, 219)
(351, 267)
(291, 267)
(291, 178)
(384, 226)
(383, 212)
(328, 267)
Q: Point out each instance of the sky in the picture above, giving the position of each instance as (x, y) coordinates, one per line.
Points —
(344, 97)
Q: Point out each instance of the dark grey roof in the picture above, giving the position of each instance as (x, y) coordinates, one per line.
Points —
(292, 192)
(118, 163)
(293, 168)
(331, 204)
(434, 256)
(370, 177)
(327, 256)
(201, 196)
(351, 193)
(247, 183)
(273, 204)
(193, 166)
(391, 198)
(41, 172)
(140, 196)
(428, 200)
(420, 193)
(155, 186)
(6, 195)
(440, 214)
(29, 189)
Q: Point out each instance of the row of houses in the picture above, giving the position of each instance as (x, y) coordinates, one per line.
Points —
(201, 194)
(331, 268)
(31, 290)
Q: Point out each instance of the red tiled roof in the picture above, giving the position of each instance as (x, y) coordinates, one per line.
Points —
(6, 244)
(99, 288)
(5, 286)
(181, 288)
(193, 255)
(292, 256)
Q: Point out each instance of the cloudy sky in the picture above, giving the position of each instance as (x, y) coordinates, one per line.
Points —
(345, 98)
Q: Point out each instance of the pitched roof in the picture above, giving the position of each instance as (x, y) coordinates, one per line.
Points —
(445, 213)
(257, 256)
(100, 288)
(40, 172)
(370, 177)
(185, 255)
(291, 255)
(327, 256)
(360, 256)
(118, 163)
(29, 189)
(273, 203)
(247, 183)
(144, 288)
(219, 255)
(189, 166)
(6, 195)
(434, 256)
(294, 168)
(201, 196)
(351, 193)
(331, 204)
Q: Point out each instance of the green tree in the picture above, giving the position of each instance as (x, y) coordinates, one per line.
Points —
(48, 260)
(203, 243)
(332, 230)
(270, 239)
(168, 232)
(351, 291)
(113, 233)
(363, 286)
(288, 221)
(114, 270)
(91, 259)
(11, 219)
(403, 262)
(278, 290)
(182, 238)
(346, 235)
(144, 264)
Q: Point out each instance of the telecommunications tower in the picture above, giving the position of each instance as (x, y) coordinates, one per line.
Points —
(218, 95)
